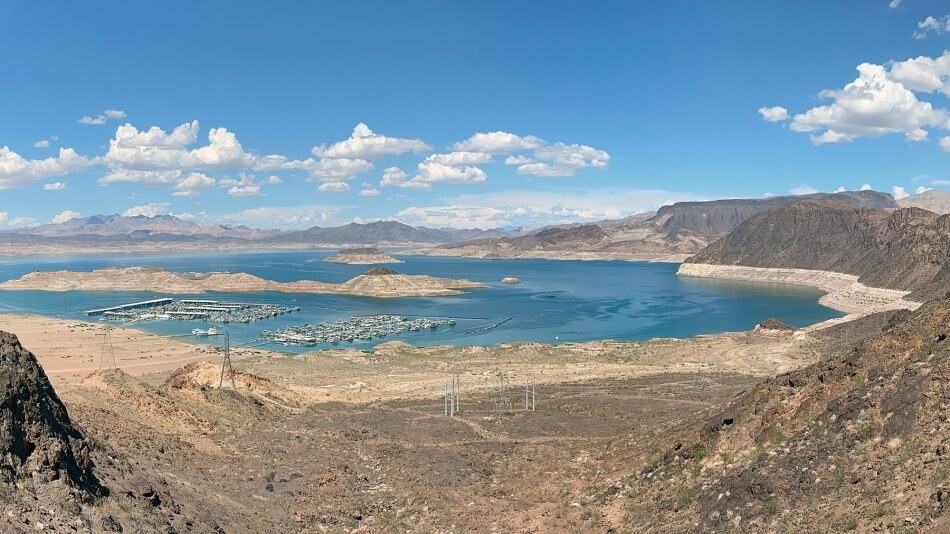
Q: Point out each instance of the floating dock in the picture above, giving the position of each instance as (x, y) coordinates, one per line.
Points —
(132, 306)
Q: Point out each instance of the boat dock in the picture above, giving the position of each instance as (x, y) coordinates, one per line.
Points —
(132, 306)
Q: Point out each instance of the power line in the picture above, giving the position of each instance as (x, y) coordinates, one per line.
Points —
(226, 364)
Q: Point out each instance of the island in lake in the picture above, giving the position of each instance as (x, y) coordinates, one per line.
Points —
(362, 256)
(379, 282)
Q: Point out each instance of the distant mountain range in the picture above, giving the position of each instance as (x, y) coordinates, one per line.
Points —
(933, 200)
(168, 230)
(674, 232)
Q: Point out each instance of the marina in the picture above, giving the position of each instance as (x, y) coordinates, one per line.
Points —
(200, 310)
(355, 329)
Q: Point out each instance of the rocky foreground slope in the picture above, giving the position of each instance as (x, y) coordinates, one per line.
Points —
(855, 443)
(53, 477)
(907, 249)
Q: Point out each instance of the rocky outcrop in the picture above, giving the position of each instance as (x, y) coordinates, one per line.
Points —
(37, 439)
(904, 250)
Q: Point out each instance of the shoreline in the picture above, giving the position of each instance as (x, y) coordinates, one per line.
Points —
(843, 292)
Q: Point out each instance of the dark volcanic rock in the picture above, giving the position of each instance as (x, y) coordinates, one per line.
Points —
(37, 439)
(379, 271)
(774, 324)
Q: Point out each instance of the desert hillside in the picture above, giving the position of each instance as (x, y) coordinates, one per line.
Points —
(905, 249)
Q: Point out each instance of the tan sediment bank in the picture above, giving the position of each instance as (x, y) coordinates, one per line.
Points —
(374, 283)
(843, 291)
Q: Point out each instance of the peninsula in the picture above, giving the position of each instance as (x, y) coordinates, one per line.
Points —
(382, 283)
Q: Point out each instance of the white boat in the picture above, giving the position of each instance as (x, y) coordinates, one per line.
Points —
(205, 333)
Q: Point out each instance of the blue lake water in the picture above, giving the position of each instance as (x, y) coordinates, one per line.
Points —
(557, 300)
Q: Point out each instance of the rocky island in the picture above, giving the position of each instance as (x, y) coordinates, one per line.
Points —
(362, 256)
(383, 283)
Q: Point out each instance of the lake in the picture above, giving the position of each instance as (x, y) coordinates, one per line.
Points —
(558, 301)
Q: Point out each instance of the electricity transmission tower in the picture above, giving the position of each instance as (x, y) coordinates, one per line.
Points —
(226, 367)
(502, 395)
(452, 396)
(106, 351)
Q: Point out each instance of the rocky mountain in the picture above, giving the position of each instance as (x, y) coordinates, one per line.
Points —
(854, 443)
(933, 200)
(674, 232)
(380, 232)
(906, 249)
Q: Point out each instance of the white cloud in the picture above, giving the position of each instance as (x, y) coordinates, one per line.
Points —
(54, 186)
(17, 222)
(431, 172)
(803, 189)
(458, 159)
(334, 187)
(65, 216)
(865, 187)
(42, 143)
(244, 190)
(335, 170)
(273, 180)
(774, 114)
(17, 171)
(148, 210)
(945, 143)
(559, 159)
(101, 118)
(497, 142)
(3, 217)
(931, 24)
(840, 189)
(872, 105)
(894, 4)
(193, 184)
(393, 177)
(518, 160)
(923, 74)
(921, 189)
(366, 144)
(368, 192)
(899, 192)
(170, 177)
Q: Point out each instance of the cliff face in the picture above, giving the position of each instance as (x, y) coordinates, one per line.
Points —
(37, 439)
(906, 249)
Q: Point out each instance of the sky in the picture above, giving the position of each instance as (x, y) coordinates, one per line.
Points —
(461, 114)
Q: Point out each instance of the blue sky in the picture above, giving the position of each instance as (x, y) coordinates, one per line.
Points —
(493, 113)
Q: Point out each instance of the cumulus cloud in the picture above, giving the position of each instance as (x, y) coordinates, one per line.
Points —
(17, 171)
(559, 159)
(773, 114)
(147, 210)
(273, 180)
(518, 160)
(393, 177)
(865, 187)
(364, 143)
(899, 192)
(368, 192)
(65, 216)
(872, 105)
(454, 216)
(335, 170)
(193, 185)
(334, 187)
(497, 142)
(803, 189)
(923, 74)
(894, 4)
(42, 143)
(458, 159)
(101, 118)
(54, 186)
(921, 189)
(840, 189)
(932, 25)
